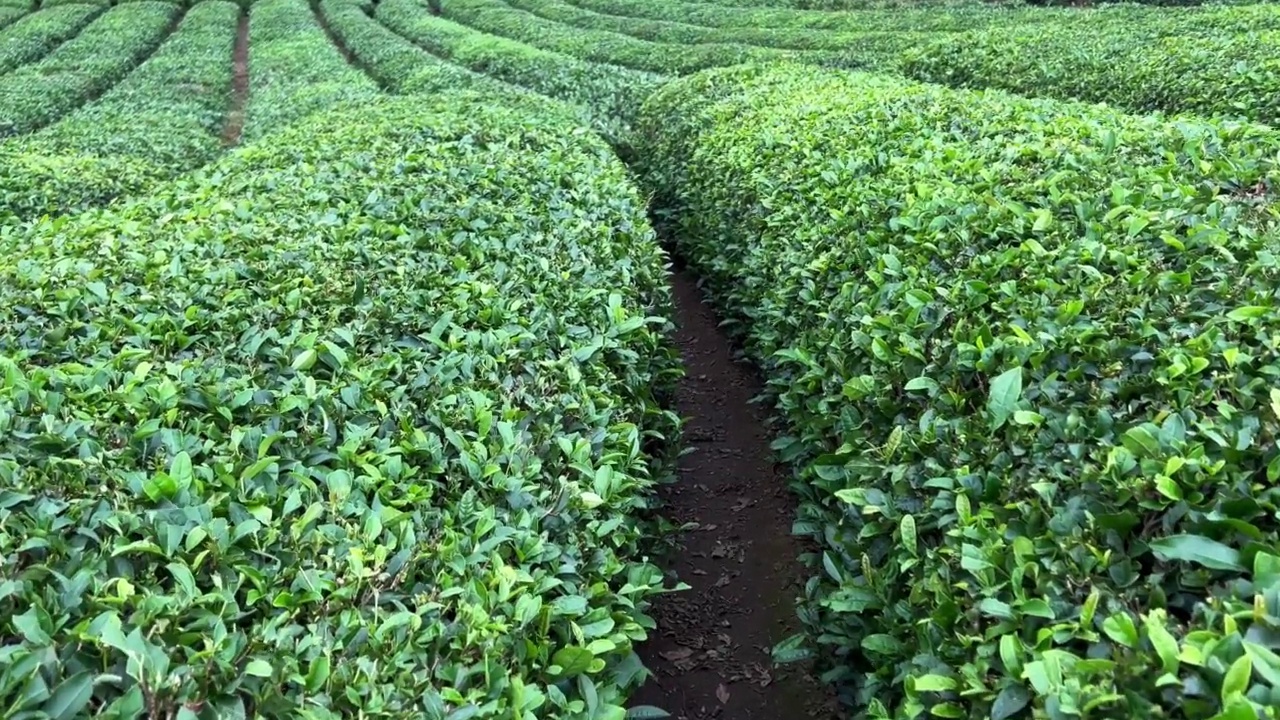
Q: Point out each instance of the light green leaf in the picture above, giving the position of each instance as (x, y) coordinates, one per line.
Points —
(1197, 549)
(28, 623)
(935, 683)
(1026, 417)
(647, 712)
(907, 531)
(572, 660)
(258, 668)
(1162, 640)
(1002, 398)
(1120, 628)
(1236, 681)
(922, 383)
(1248, 312)
(1141, 442)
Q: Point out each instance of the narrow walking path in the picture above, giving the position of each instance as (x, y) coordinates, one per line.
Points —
(711, 657)
(239, 84)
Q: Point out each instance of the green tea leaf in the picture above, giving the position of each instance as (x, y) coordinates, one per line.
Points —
(1002, 398)
(1236, 681)
(70, 697)
(935, 683)
(573, 661)
(1197, 549)
(1248, 312)
(1120, 628)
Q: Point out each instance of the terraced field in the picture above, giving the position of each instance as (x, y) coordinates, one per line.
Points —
(628, 359)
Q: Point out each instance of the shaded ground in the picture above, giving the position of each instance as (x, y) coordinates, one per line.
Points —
(711, 657)
(239, 84)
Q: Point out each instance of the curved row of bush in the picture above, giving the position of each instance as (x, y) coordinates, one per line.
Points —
(765, 19)
(360, 423)
(394, 62)
(404, 68)
(1025, 350)
(294, 69)
(847, 5)
(10, 15)
(90, 63)
(162, 119)
(613, 94)
(1220, 62)
(863, 49)
(37, 34)
(499, 18)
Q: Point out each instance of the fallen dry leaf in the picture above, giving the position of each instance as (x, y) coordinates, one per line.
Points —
(677, 655)
(722, 694)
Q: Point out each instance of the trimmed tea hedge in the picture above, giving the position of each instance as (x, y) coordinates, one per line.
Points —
(10, 15)
(1026, 352)
(358, 424)
(294, 69)
(857, 48)
(402, 67)
(85, 66)
(393, 61)
(162, 119)
(769, 19)
(498, 18)
(1209, 63)
(35, 35)
(612, 94)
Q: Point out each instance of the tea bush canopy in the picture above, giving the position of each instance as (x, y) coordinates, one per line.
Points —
(1028, 382)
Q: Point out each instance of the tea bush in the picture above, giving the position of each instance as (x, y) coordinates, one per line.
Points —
(1026, 355)
(294, 69)
(613, 95)
(362, 422)
(764, 18)
(162, 119)
(863, 48)
(90, 63)
(1218, 62)
(498, 18)
(402, 67)
(35, 35)
(10, 15)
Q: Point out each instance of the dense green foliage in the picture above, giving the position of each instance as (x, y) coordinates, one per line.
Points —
(294, 69)
(771, 19)
(88, 64)
(35, 35)
(873, 48)
(164, 118)
(1219, 61)
(10, 15)
(613, 95)
(358, 424)
(393, 61)
(403, 67)
(1025, 350)
(499, 18)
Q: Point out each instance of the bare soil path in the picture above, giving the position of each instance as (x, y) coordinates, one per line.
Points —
(239, 84)
(712, 655)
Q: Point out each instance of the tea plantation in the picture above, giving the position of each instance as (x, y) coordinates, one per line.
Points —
(339, 358)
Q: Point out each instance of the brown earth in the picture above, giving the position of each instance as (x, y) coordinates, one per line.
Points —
(711, 655)
(239, 84)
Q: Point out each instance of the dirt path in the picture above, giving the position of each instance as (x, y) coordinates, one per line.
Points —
(239, 84)
(711, 658)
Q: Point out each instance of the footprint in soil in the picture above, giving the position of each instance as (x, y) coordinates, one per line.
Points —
(711, 655)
